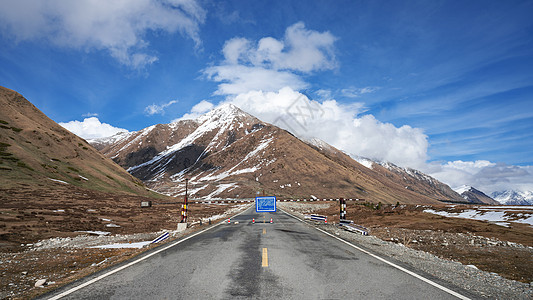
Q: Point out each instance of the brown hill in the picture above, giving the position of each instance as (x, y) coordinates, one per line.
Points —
(229, 153)
(37, 152)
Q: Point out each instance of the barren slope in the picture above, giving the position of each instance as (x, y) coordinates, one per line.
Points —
(36, 150)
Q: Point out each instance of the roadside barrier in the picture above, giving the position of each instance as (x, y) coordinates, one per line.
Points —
(160, 238)
(351, 226)
(317, 218)
(220, 201)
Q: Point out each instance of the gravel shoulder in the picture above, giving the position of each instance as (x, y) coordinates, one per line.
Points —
(466, 276)
(60, 260)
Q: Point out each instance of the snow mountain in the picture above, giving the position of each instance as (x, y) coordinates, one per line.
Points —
(475, 196)
(228, 153)
(510, 197)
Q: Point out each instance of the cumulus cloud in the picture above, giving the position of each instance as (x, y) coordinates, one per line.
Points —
(271, 64)
(200, 108)
(340, 125)
(484, 175)
(91, 128)
(115, 26)
(158, 108)
(238, 79)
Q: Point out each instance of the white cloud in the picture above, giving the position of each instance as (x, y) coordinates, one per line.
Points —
(357, 92)
(337, 124)
(91, 128)
(197, 110)
(202, 107)
(158, 109)
(238, 79)
(272, 64)
(90, 115)
(484, 175)
(115, 26)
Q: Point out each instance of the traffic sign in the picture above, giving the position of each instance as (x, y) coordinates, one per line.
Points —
(265, 204)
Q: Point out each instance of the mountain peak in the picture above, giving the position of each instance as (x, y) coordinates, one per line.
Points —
(464, 188)
(226, 110)
(512, 197)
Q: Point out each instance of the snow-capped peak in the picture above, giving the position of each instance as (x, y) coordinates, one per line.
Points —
(464, 188)
(226, 111)
(510, 197)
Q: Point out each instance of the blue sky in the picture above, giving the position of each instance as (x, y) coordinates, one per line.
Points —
(448, 83)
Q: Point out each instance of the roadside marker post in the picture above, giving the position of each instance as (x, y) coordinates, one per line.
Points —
(342, 204)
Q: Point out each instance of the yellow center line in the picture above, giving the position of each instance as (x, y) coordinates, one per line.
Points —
(265, 257)
(264, 231)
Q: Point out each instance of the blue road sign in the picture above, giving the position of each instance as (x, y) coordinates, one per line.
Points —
(265, 204)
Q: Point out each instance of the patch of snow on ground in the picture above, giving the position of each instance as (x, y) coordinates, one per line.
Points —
(124, 245)
(517, 207)
(60, 181)
(96, 232)
(497, 217)
(196, 190)
(365, 162)
(230, 212)
(222, 187)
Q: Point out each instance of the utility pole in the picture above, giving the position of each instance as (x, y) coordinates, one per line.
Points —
(184, 206)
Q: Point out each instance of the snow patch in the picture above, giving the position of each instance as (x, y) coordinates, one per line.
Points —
(493, 216)
(60, 181)
(124, 245)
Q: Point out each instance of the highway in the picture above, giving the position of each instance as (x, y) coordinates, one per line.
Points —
(287, 259)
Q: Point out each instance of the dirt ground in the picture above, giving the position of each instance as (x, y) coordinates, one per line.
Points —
(507, 251)
(30, 219)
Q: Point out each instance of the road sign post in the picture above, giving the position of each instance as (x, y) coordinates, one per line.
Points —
(265, 204)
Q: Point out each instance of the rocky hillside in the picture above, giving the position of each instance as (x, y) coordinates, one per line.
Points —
(402, 178)
(229, 153)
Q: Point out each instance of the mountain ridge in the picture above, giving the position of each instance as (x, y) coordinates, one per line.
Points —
(229, 153)
(511, 197)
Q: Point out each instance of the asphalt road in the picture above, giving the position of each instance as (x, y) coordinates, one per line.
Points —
(286, 259)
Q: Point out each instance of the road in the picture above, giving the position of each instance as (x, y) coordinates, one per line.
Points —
(286, 259)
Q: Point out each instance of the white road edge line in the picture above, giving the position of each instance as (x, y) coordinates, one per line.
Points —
(453, 293)
(72, 290)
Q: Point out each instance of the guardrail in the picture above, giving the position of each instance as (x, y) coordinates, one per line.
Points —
(316, 218)
(351, 226)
